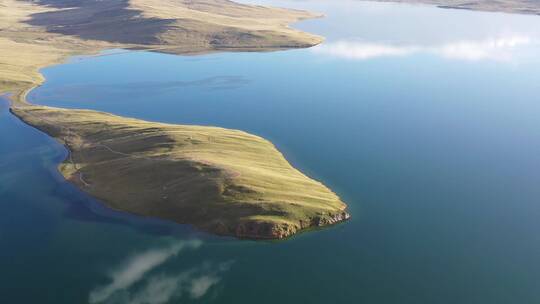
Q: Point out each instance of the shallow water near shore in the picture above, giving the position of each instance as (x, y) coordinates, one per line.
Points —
(428, 130)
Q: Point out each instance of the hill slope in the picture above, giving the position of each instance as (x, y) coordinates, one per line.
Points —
(224, 181)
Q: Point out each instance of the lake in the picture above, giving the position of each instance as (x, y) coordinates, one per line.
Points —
(424, 120)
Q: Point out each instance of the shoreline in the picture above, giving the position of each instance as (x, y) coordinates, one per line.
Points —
(223, 181)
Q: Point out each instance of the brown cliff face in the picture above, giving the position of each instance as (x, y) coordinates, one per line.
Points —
(268, 230)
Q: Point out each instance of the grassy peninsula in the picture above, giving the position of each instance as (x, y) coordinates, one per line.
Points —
(223, 181)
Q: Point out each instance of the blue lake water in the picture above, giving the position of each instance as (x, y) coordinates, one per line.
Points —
(424, 120)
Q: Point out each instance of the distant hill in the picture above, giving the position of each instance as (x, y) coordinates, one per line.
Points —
(506, 6)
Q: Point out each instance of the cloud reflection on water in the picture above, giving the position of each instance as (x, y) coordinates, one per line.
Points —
(136, 281)
(496, 49)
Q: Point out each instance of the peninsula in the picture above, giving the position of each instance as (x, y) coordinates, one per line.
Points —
(223, 181)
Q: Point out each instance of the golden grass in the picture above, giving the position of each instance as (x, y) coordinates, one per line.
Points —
(242, 26)
(25, 49)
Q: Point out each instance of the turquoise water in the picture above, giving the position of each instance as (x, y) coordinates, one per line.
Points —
(424, 120)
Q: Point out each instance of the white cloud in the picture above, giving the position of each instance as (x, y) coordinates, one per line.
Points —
(136, 281)
(497, 49)
(136, 267)
(363, 50)
(200, 285)
(159, 289)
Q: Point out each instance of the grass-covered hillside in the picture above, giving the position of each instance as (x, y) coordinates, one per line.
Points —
(224, 181)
